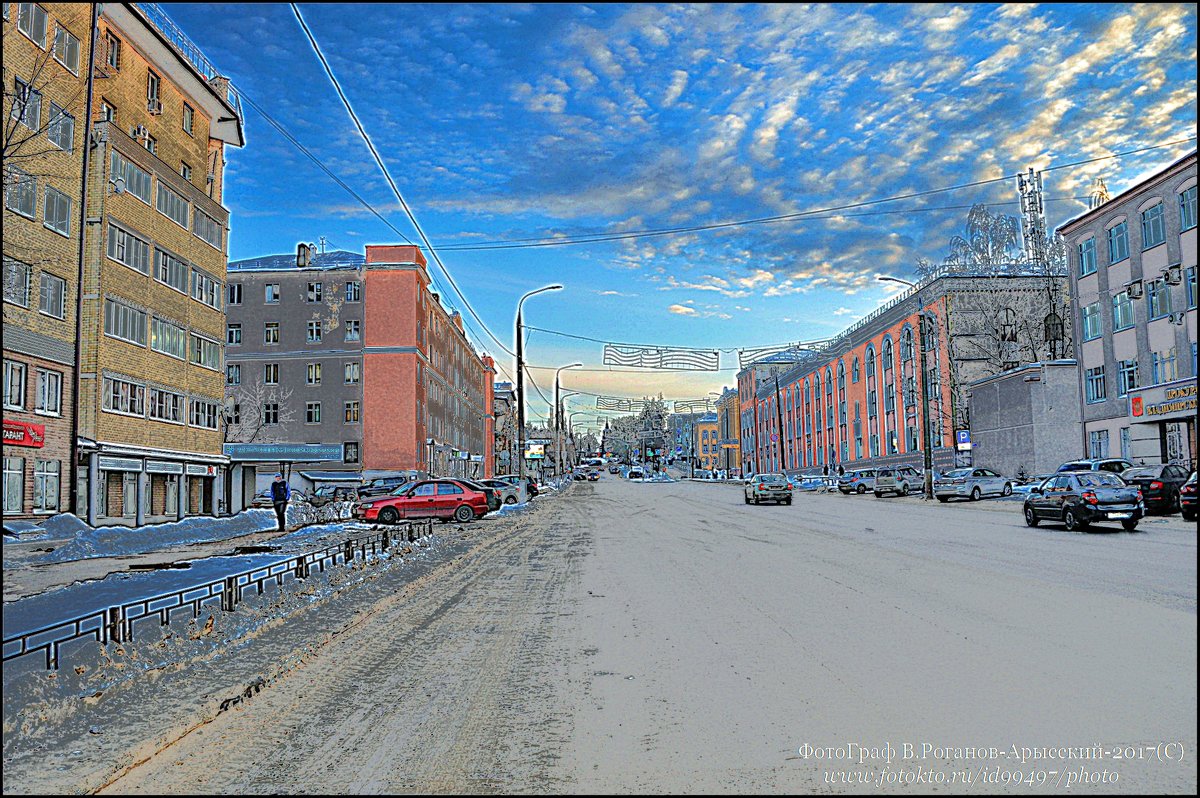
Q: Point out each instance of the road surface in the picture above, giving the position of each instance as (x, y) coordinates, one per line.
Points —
(666, 637)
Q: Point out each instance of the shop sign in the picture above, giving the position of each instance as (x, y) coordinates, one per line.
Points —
(119, 464)
(22, 433)
(161, 467)
(1164, 403)
(283, 452)
(201, 470)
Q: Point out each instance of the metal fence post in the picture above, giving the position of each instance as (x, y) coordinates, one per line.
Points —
(349, 554)
(114, 624)
(228, 594)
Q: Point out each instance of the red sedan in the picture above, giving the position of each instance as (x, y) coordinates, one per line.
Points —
(436, 498)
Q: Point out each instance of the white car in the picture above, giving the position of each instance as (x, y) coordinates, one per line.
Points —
(971, 483)
(636, 473)
(768, 488)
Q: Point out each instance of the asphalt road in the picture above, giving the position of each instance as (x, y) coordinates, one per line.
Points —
(668, 638)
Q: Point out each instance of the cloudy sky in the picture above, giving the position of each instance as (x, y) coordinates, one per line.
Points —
(513, 123)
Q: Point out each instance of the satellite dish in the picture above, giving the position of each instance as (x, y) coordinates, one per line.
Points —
(118, 185)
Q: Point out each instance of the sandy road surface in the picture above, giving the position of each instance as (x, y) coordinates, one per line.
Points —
(645, 638)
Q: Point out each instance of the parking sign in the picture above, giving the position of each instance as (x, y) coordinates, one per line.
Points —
(963, 438)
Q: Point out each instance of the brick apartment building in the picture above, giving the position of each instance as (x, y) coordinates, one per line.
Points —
(46, 55)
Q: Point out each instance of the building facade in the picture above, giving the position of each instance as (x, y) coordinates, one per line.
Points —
(47, 51)
(151, 372)
(729, 414)
(1133, 288)
(860, 399)
(706, 451)
(505, 412)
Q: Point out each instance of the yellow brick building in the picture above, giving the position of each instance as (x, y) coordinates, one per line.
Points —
(152, 332)
(46, 52)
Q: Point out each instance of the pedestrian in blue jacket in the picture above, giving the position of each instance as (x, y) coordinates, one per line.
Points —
(280, 493)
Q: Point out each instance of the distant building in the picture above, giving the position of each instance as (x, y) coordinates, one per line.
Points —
(1133, 300)
(1027, 419)
(705, 449)
(505, 411)
(729, 413)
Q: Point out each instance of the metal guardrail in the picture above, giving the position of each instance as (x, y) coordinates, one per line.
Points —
(115, 624)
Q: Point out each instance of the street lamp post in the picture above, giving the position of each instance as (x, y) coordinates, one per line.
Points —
(521, 384)
(928, 447)
(558, 417)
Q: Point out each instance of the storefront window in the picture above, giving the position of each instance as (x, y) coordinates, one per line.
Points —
(14, 484)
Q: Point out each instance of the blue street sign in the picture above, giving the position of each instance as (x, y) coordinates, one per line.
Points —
(964, 436)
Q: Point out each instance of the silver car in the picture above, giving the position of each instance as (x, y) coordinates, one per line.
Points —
(768, 488)
(509, 493)
(970, 483)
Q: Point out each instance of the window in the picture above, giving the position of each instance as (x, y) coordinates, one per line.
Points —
(1158, 298)
(235, 415)
(46, 485)
(127, 249)
(353, 330)
(137, 180)
(354, 291)
(122, 396)
(61, 128)
(27, 105)
(20, 192)
(1126, 442)
(352, 373)
(270, 373)
(206, 352)
(52, 297)
(270, 413)
(185, 171)
(854, 371)
(16, 282)
(1122, 311)
(170, 270)
(1189, 285)
(205, 289)
(350, 452)
(1163, 366)
(150, 143)
(314, 374)
(1127, 376)
(1187, 209)
(314, 332)
(314, 292)
(1087, 257)
(173, 206)
(14, 385)
(1098, 443)
(66, 49)
(14, 484)
(207, 228)
(1094, 385)
(124, 322)
(168, 338)
(1118, 242)
(233, 373)
(271, 332)
(351, 412)
(113, 48)
(57, 211)
(31, 20)
(108, 112)
(1091, 321)
(233, 294)
(271, 296)
(312, 412)
(189, 119)
(166, 406)
(203, 414)
(233, 334)
(1153, 230)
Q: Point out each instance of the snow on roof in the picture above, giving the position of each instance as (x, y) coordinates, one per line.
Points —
(337, 259)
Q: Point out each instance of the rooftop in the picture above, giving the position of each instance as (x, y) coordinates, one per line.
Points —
(337, 259)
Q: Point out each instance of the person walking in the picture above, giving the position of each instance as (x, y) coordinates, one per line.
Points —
(841, 471)
(280, 493)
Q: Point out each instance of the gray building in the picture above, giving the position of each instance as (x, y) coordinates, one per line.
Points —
(1133, 294)
(1026, 420)
(294, 368)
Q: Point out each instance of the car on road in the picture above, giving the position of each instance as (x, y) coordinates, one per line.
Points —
(971, 483)
(1160, 485)
(901, 481)
(614, 469)
(446, 499)
(768, 488)
(1079, 499)
(1114, 464)
(859, 481)
(327, 494)
(531, 484)
(382, 485)
(509, 493)
(636, 472)
(1187, 499)
(593, 476)
(492, 494)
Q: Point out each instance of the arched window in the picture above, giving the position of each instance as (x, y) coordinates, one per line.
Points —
(887, 354)
(855, 371)
(841, 376)
(906, 344)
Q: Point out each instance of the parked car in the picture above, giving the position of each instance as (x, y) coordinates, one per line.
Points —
(970, 483)
(263, 498)
(326, 494)
(636, 472)
(1160, 485)
(531, 484)
(858, 481)
(1114, 464)
(1081, 498)
(901, 481)
(510, 493)
(1029, 483)
(613, 469)
(492, 494)
(768, 488)
(436, 498)
(382, 485)
(1187, 499)
(593, 476)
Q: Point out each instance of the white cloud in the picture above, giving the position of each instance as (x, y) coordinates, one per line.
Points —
(679, 81)
(682, 310)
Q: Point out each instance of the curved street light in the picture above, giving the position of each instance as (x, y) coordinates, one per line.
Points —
(558, 416)
(521, 383)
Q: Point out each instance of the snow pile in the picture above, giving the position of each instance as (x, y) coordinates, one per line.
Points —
(113, 541)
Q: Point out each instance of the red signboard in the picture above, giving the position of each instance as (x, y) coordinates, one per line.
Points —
(20, 433)
(1136, 405)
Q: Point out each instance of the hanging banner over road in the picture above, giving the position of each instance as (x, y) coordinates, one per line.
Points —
(662, 357)
(782, 353)
(620, 403)
(691, 405)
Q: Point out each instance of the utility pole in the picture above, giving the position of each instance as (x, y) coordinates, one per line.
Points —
(521, 384)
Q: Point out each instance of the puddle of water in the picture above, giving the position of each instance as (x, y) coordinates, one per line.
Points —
(159, 566)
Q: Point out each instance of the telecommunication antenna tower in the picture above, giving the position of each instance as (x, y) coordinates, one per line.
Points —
(1033, 217)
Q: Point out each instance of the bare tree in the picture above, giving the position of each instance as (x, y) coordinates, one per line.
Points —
(27, 116)
(245, 415)
(990, 240)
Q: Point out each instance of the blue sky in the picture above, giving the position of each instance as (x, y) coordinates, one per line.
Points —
(514, 122)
